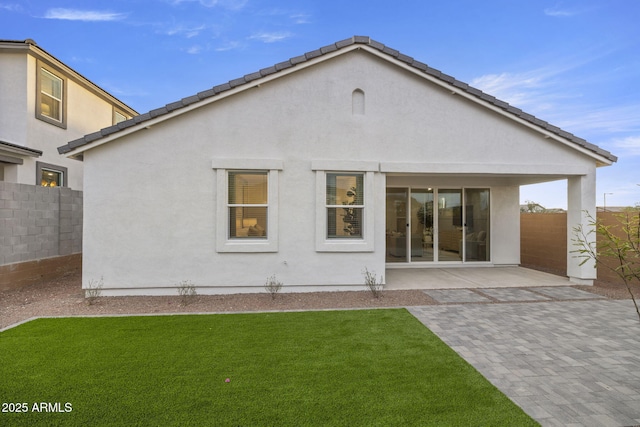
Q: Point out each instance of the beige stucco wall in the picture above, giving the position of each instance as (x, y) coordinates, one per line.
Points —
(150, 200)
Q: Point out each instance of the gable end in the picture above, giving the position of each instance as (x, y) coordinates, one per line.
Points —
(421, 68)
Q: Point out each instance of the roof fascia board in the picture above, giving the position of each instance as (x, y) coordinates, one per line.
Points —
(52, 61)
(457, 91)
(222, 95)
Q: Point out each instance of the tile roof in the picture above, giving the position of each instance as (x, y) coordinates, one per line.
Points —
(356, 40)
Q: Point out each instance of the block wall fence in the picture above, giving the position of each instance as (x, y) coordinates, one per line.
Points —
(40, 231)
(543, 243)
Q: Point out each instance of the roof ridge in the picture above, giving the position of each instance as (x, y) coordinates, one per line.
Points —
(294, 61)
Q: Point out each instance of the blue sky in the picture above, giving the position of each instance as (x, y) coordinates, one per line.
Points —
(574, 63)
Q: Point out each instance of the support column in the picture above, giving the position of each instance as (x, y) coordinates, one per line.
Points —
(581, 195)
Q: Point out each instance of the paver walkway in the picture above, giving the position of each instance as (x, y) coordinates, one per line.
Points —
(565, 363)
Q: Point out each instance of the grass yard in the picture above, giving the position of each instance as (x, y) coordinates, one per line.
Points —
(369, 367)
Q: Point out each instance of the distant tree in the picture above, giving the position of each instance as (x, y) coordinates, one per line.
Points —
(532, 207)
(619, 242)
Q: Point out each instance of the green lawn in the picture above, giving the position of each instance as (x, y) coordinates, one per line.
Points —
(373, 367)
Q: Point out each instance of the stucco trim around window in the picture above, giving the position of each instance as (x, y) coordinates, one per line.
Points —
(333, 244)
(59, 119)
(345, 165)
(224, 243)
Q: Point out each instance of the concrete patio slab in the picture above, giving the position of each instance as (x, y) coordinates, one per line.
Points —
(563, 362)
(456, 296)
(469, 277)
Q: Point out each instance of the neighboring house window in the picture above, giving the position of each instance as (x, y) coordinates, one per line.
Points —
(344, 205)
(119, 116)
(51, 102)
(48, 175)
(247, 205)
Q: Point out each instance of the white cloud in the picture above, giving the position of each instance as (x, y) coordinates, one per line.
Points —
(83, 15)
(194, 50)
(271, 37)
(300, 18)
(606, 120)
(556, 94)
(229, 46)
(527, 90)
(629, 145)
(228, 4)
(11, 7)
(188, 32)
(557, 12)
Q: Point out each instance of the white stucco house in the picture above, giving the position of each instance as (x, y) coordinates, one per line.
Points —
(348, 157)
(45, 103)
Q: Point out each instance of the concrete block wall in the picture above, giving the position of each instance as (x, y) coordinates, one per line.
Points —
(38, 222)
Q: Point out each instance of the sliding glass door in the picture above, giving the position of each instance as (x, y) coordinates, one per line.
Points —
(421, 223)
(476, 224)
(437, 225)
(450, 225)
(397, 224)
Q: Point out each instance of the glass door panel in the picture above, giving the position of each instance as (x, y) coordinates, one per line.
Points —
(396, 227)
(477, 224)
(421, 223)
(450, 225)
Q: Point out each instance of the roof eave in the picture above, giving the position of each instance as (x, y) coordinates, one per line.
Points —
(20, 150)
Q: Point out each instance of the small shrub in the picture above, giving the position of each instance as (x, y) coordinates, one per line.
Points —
(187, 292)
(273, 286)
(93, 291)
(372, 283)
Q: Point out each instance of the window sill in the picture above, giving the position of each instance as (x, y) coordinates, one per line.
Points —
(344, 245)
(247, 246)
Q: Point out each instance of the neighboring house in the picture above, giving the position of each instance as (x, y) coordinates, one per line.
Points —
(43, 104)
(349, 157)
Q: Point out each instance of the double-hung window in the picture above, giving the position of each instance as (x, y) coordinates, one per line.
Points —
(345, 205)
(247, 205)
(51, 90)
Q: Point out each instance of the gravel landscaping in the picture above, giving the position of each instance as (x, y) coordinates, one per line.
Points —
(64, 296)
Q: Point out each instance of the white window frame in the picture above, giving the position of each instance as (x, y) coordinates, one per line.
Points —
(347, 244)
(119, 116)
(224, 243)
